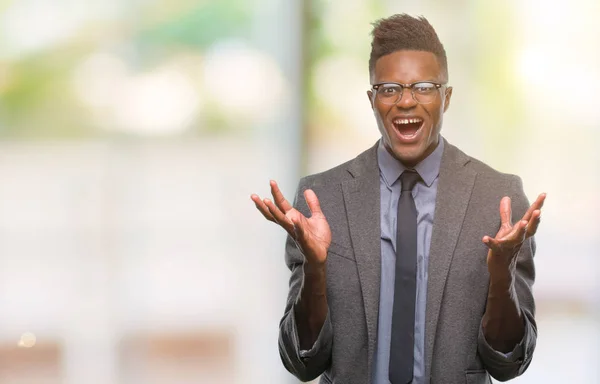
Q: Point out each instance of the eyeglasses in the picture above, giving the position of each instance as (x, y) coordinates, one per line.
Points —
(423, 92)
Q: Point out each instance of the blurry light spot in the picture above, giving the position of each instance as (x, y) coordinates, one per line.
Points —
(27, 26)
(573, 98)
(533, 66)
(27, 340)
(163, 101)
(32, 25)
(244, 82)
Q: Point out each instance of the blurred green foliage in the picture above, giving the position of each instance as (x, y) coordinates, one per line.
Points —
(37, 100)
(198, 26)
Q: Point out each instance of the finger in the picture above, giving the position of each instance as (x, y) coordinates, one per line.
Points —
(493, 244)
(517, 234)
(512, 239)
(312, 201)
(280, 217)
(505, 211)
(534, 223)
(280, 201)
(499, 246)
(262, 208)
(537, 205)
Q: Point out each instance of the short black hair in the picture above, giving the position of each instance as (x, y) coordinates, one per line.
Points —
(404, 32)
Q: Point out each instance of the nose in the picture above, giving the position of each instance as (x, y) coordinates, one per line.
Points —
(407, 100)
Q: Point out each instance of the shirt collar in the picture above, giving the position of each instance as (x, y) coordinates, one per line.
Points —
(391, 169)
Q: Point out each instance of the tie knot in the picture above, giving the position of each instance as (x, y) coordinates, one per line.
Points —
(408, 179)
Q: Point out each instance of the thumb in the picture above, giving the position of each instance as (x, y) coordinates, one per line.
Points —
(312, 201)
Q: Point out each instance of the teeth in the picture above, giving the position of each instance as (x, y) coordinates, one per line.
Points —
(407, 121)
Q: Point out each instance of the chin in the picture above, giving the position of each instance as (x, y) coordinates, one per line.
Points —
(408, 153)
(410, 162)
(408, 159)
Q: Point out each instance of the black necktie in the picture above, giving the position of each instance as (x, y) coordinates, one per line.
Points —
(405, 285)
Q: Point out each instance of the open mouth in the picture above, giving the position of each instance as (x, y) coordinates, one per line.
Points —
(408, 128)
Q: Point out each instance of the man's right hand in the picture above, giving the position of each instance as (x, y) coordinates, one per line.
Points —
(312, 235)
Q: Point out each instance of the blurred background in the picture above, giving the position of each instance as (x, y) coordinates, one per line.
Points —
(132, 134)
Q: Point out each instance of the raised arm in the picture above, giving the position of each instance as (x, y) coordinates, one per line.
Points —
(305, 330)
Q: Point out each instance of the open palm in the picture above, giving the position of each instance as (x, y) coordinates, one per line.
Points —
(506, 244)
(311, 234)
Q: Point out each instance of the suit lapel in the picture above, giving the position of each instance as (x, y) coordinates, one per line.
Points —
(454, 191)
(362, 199)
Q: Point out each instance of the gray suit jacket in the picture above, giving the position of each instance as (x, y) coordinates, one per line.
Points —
(468, 198)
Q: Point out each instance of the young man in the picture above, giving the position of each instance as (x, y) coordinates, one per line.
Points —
(404, 270)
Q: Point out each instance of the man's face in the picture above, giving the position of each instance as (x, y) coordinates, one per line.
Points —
(410, 143)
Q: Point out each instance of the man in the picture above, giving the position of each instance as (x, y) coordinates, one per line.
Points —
(403, 269)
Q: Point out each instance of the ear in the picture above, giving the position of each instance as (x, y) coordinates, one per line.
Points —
(447, 97)
(370, 96)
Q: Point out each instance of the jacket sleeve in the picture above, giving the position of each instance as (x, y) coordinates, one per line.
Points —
(306, 365)
(502, 366)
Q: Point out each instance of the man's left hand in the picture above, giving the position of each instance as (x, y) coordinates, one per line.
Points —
(505, 246)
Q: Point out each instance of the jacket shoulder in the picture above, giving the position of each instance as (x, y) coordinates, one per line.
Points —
(367, 160)
(336, 174)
